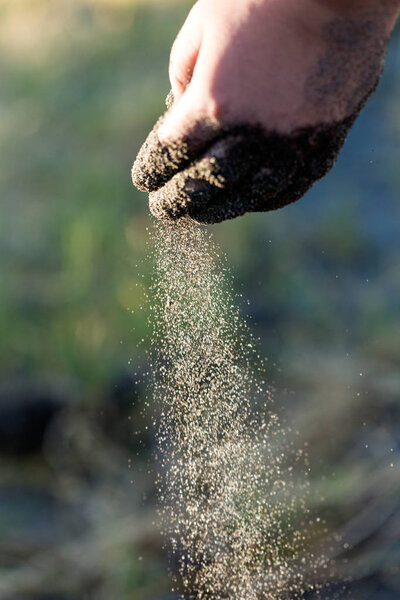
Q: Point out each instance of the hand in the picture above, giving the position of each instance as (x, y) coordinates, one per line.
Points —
(264, 92)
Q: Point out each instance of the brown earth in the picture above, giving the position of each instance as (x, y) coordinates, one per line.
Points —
(242, 169)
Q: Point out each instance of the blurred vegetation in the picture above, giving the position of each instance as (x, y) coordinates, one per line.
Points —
(82, 82)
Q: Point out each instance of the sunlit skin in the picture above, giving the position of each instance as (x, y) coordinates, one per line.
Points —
(283, 64)
(265, 92)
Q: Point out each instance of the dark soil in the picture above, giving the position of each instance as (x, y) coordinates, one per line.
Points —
(241, 169)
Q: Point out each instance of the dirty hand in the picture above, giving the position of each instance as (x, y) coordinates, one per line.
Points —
(264, 92)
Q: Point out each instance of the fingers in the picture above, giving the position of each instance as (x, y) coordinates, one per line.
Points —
(157, 162)
(189, 195)
(247, 170)
(219, 185)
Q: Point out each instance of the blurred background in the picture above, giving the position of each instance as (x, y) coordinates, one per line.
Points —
(82, 82)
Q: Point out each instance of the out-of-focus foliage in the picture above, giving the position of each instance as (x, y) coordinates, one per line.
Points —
(81, 84)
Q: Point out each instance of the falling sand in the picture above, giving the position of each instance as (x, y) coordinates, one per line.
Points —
(233, 510)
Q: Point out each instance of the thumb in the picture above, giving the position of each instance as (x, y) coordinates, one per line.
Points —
(184, 53)
(188, 119)
(184, 131)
